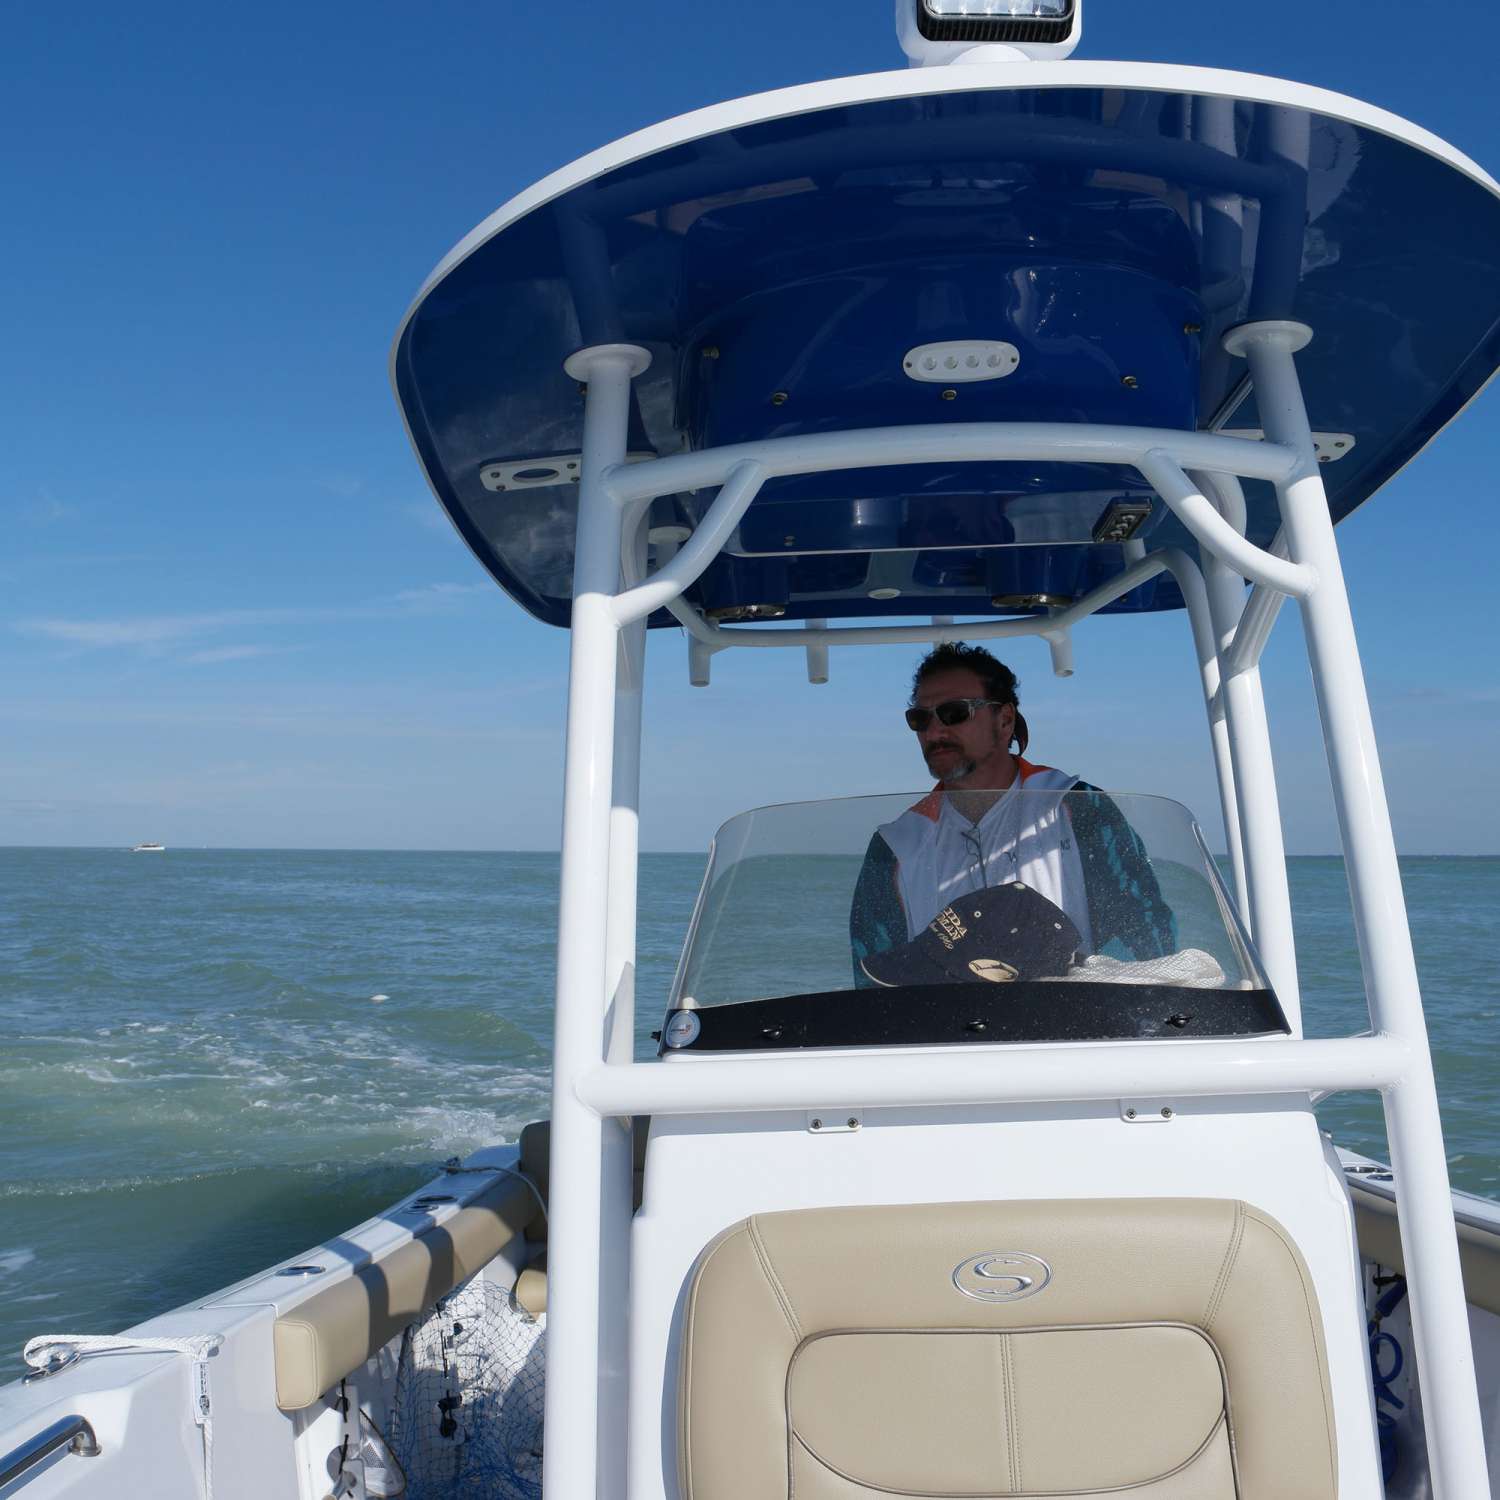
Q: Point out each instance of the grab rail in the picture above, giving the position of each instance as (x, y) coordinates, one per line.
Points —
(991, 1075)
(74, 1433)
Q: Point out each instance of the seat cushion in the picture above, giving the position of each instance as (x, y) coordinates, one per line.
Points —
(536, 1163)
(966, 1413)
(330, 1333)
(531, 1285)
(1168, 1347)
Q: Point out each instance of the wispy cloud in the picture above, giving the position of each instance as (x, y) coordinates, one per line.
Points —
(365, 721)
(441, 595)
(21, 807)
(155, 633)
(157, 630)
(1431, 696)
(69, 559)
(429, 515)
(45, 509)
(234, 653)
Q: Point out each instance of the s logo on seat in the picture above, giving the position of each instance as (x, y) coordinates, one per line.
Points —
(1002, 1276)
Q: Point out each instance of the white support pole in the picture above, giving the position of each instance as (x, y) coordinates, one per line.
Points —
(1205, 644)
(1227, 495)
(740, 487)
(719, 637)
(617, 1195)
(1214, 534)
(1265, 898)
(1257, 618)
(933, 1077)
(1265, 849)
(575, 1249)
(955, 442)
(666, 540)
(1224, 762)
(1211, 670)
(624, 820)
(1455, 1436)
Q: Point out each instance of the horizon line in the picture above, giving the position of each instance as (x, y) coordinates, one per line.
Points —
(555, 852)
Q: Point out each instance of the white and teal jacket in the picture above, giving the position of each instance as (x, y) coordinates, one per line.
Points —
(1077, 850)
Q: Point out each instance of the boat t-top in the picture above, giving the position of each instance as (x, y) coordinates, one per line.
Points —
(1008, 1199)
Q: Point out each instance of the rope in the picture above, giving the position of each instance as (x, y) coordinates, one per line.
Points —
(452, 1167)
(41, 1352)
(536, 1192)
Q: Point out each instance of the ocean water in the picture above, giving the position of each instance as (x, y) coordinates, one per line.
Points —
(210, 1060)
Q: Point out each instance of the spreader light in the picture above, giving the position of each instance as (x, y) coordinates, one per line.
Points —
(936, 31)
(1024, 10)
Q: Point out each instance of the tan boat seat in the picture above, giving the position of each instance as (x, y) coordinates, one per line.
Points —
(531, 1285)
(536, 1159)
(1159, 1349)
(536, 1162)
(333, 1332)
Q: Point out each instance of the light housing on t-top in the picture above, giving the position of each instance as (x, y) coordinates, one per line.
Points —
(979, 21)
(940, 12)
(940, 31)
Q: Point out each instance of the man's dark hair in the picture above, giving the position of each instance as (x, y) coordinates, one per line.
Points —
(1000, 683)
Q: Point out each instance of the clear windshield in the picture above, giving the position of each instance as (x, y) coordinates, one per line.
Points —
(1031, 885)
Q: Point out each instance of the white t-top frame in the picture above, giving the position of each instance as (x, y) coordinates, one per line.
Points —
(1197, 475)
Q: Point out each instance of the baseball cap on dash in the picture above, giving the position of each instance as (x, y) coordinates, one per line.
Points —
(1001, 933)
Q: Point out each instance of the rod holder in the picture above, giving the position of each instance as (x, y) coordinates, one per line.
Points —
(700, 655)
(817, 656)
(1061, 644)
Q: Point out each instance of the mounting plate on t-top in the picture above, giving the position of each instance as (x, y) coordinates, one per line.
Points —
(534, 473)
(1329, 446)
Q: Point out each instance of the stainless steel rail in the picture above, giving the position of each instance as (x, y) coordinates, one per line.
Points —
(73, 1433)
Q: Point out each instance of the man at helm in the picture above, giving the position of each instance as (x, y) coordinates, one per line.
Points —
(995, 818)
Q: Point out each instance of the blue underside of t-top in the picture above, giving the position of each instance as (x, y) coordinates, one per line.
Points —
(779, 273)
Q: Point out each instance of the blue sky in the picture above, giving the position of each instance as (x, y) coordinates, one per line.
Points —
(231, 614)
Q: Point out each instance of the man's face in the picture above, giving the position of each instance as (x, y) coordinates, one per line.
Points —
(974, 753)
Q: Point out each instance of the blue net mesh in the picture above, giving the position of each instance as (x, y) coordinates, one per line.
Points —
(467, 1416)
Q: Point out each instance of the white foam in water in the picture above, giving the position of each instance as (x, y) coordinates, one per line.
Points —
(94, 1075)
(325, 1090)
(12, 1261)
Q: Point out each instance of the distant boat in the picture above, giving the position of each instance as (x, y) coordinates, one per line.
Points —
(149, 849)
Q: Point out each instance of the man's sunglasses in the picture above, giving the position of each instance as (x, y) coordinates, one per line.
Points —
(950, 712)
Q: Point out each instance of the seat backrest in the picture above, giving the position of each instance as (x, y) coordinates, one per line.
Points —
(1169, 1348)
(332, 1332)
(536, 1162)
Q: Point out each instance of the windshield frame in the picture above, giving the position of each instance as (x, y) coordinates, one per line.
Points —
(855, 1018)
(1028, 1012)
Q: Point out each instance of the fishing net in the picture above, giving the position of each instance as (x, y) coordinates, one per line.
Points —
(466, 1422)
